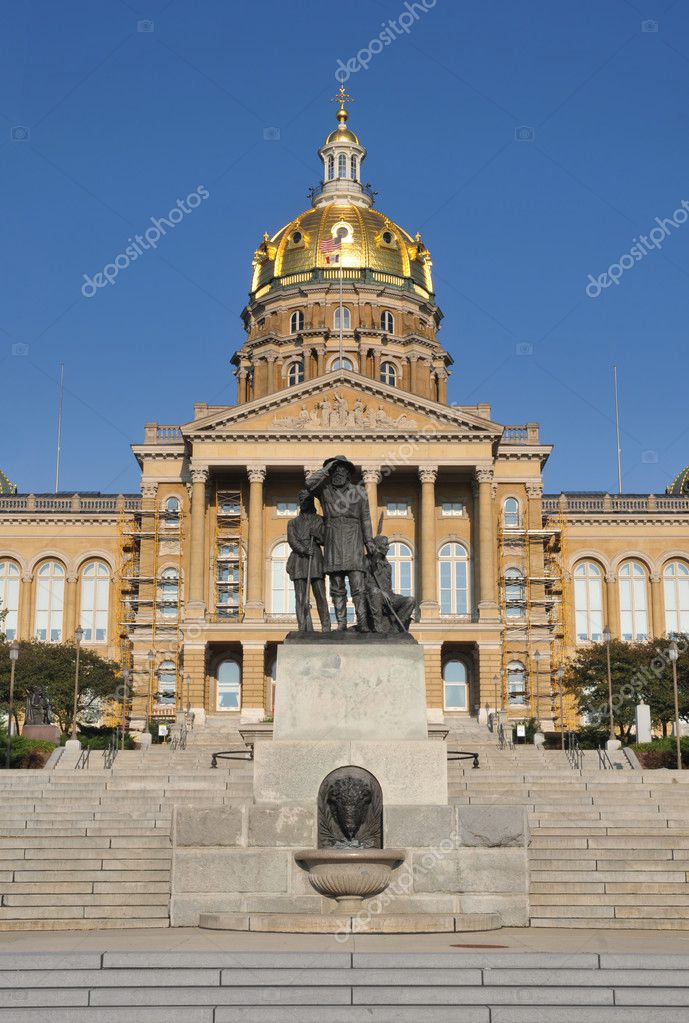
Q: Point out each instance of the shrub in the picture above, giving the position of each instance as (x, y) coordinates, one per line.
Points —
(662, 753)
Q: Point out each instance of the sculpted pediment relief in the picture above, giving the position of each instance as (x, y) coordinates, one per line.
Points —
(337, 412)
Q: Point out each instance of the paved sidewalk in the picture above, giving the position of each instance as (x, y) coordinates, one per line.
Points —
(191, 939)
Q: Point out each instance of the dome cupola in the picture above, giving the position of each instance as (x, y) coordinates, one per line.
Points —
(342, 155)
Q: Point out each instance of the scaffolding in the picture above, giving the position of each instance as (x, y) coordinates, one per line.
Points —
(531, 594)
(150, 596)
(227, 556)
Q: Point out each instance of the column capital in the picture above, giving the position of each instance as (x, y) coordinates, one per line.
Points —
(534, 488)
(370, 474)
(656, 578)
(199, 473)
(256, 473)
(484, 473)
(611, 577)
(149, 488)
(428, 473)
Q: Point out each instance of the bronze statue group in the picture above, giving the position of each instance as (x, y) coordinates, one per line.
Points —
(340, 544)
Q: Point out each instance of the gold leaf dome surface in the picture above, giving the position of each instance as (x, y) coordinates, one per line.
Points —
(372, 242)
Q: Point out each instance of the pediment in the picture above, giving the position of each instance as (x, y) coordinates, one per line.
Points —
(341, 404)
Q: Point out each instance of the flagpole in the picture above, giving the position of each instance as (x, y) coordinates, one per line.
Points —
(617, 434)
(59, 427)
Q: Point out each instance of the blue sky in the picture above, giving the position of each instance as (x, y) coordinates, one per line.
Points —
(122, 123)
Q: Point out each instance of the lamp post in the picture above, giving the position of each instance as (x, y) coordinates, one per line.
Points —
(78, 636)
(126, 675)
(673, 654)
(560, 675)
(151, 665)
(612, 741)
(14, 656)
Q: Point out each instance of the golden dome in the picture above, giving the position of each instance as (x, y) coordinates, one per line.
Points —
(342, 134)
(371, 242)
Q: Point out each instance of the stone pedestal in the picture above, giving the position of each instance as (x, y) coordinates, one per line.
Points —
(46, 733)
(372, 691)
(359, 701)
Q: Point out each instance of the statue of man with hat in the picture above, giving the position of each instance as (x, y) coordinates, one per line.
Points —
(347, 535)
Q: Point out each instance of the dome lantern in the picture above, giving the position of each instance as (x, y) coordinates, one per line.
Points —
(342, 155)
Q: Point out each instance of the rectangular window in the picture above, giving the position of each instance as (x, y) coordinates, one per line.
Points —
(452, 508)
(286, 509)
(397, 509)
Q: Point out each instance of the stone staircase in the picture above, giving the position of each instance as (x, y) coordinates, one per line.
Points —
(609, 848)
(92, 848)
(343, 987)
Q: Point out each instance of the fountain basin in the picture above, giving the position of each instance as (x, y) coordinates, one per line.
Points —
(349, 875)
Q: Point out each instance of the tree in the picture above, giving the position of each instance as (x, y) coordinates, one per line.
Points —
(640, 671)
(53, 666)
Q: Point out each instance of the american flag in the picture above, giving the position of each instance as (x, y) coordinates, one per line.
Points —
(331, 249)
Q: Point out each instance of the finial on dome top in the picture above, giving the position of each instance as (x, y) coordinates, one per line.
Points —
(342, 98)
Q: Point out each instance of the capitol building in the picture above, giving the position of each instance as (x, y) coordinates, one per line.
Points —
(185, 583)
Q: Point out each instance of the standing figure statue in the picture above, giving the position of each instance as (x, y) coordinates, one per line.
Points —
(38, 710)
(388, 611)
(305, 563)
(347, 535)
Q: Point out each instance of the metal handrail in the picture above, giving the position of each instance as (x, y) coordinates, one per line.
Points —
(604, 761)
(83, 760)
(111, 750)
(575, 754)
(179, 739)
(458, 754)
(503, 741)
(233, 754)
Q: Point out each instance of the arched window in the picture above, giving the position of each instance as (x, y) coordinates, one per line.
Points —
(455, 685)
(50, 597)
(331, 168)
(453, 579)
(282, 590)
(343, 363)
(9, 598)
(295, 374)
(229, 685)
(676, 589)
(510, 511)
(633, 602)
(342, 313)
(352, 168)
(95, 600)
(296, 321)
(516, 684)
(167, 684)
(588, 602)
(401, 561)
(342, 166)
(171, 511)
(387, 322)
(515, 593)
(168, 593)
(388, 373)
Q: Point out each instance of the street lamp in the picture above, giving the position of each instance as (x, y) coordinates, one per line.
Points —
(560, 675)
(673, 654)
(607, 637)
(78, 636)
(14, 655)
(151, 664)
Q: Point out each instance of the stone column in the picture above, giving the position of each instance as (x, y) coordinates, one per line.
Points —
(612, 605)
(430, 607)
(488, 603)
(24, 621)
(195, 668)
(657, 607)
(241, 386)
(414, 374)
(197, 544)
(433, 669)
(372, 478)
(442, 386)
(253, 681)
(69, 615)
(320, 360)
(376, 363)
(254, 606)
(270, 379)
(489, 668)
